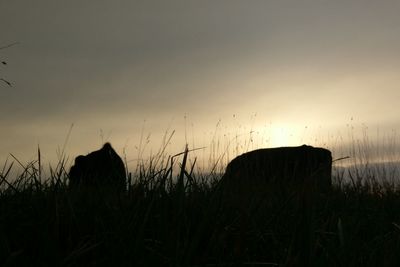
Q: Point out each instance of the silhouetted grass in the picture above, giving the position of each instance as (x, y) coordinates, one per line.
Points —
(169, 218)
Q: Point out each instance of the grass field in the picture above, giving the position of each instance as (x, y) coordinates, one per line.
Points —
(178, 218)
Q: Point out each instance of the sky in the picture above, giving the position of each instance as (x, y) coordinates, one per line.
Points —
(216, 74)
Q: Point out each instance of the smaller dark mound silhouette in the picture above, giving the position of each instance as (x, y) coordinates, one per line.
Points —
(100, 169)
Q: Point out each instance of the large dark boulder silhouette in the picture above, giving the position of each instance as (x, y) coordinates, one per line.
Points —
(292, 180)
(282, 167)
(101, 169)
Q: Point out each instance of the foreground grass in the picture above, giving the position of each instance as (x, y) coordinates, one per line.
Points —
(159, 222)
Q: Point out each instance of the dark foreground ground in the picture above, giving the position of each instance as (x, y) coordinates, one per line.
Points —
(157, 223)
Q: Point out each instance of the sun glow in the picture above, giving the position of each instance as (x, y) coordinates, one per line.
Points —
(273, 135)
(282, 136)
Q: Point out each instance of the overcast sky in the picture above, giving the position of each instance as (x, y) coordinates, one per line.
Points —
(292, 71)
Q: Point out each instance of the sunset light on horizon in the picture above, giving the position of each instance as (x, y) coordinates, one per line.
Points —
(279, 73)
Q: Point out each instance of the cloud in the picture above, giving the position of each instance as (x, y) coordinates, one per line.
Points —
(99, 63)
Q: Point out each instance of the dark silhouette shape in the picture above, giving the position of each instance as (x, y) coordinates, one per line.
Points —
(5, 63)
(289, 177)
(282, 166)
(101, 169)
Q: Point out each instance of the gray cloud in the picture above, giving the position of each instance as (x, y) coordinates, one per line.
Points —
(161, 59)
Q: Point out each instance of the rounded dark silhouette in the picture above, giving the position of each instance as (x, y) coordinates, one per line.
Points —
(101, 169)
(282, 166)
